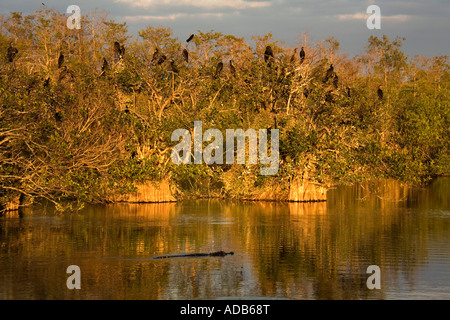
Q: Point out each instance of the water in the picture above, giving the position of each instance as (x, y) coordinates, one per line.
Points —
(282, 250)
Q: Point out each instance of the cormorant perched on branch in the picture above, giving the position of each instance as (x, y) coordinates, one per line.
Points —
(302, 55)
(306, 92)
(173, 66)
(329, 74)
(186, 55)
(58, 115)
(268, 54)
(232, 69)
(11, 53)
(161, 60)
(119, 49)
(47, 82)
(104, 66)
(294, 55)
(190, 38)
(380, 93)
(155, 55)
(122, 51)
(60, 60)
(218, 69)
(335, 80)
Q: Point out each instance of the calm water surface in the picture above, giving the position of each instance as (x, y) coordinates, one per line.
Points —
(294, 251)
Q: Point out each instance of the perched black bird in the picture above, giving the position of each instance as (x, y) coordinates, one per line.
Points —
(306, 92)
(330, 73)
(335, 80)
(348, 92)
(117, 47)
(268, 54)
(173, 66)
(232, 69)
(119, 50)
(155, 55)
(294, 55)
(302, 55)
(32, 82)
(380, 93)
(122, 51)
(190, 38)
(161, 60)
(104, 66)
(12, 52)
(60, 60)
(186, 55)
(218, 69)
(47, 82)
(58, 116)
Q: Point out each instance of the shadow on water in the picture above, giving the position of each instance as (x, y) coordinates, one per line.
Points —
(315, 250)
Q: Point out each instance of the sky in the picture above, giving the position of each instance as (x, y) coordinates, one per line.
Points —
(424, 24)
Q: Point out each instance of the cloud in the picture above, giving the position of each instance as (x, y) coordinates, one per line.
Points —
(143, 18)
(364, 16)
(423, 23)
(204, 4)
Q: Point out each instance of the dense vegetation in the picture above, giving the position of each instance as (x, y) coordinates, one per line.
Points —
(76, 132)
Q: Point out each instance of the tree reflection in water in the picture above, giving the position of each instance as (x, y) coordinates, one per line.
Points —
(288, 250)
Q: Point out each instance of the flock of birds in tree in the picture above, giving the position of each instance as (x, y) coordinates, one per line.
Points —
(159, 59)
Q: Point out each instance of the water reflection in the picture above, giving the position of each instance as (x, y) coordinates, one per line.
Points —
(286, 250)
